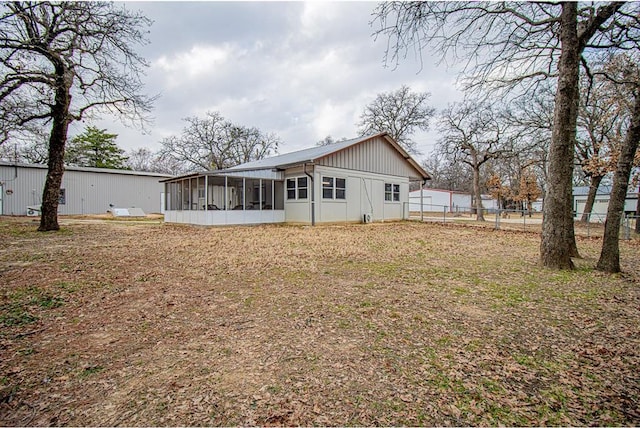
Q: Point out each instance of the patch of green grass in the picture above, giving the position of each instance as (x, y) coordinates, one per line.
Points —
(443, 341)
(69, 286)
(20, 307)
(90, 370)
(26, 351)
(460, 290)
(15, 316)
(344, 324)
(525, 360)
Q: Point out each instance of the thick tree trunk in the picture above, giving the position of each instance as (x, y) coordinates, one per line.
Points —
(591, 197)
(638, 211)
(477, 193)
(610, 254)
(57, 142)
(558, 243)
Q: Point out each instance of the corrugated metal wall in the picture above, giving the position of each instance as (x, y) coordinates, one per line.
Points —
(375, 155)
(86, 192)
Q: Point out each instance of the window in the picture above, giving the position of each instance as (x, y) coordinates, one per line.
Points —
(62, 199)
(302, 187)
(297, 188)
(341, 188)
(334, 188)
(327, 187)
(391, 192)
(291, 188)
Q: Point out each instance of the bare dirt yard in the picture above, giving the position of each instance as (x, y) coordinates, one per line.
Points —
(141, 323)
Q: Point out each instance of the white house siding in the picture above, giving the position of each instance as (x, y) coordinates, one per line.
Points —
(298, 210)
(225, 217)
(87, 190)
(364, 194)
(375, 155)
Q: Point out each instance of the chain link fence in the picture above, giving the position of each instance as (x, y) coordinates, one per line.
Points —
(521, 220)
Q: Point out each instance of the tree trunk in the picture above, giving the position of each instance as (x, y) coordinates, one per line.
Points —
(638, 211)
(591, 197)
(558, 243)
(57, 141)
(476, 192)
(610, 254)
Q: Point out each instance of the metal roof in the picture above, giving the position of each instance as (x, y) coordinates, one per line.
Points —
(86, 169)
(298, 157)
(288, 160)
(312, 154)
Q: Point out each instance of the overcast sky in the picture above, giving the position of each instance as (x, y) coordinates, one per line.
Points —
(300, 70)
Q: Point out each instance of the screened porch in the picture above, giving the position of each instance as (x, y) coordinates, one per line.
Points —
(212, 198)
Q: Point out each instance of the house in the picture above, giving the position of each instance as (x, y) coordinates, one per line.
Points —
(363, 179)
(83, 190)
(437, 200)
(601, 203)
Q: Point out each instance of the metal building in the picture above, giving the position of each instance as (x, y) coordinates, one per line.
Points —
(83, 190)
(363, 179)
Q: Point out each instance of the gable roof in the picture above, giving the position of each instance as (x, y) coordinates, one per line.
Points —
(313, 154)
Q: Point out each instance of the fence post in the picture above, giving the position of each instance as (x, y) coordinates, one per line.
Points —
(444, 214)
(627, 228)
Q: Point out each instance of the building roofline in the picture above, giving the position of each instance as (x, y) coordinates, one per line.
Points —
(289, 160)
(87, 169)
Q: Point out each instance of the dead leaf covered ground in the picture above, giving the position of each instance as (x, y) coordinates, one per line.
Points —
(116, 323)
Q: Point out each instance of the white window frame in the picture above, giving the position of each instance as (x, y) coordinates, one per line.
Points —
(392, 195)
(297, 188)
(334, 188)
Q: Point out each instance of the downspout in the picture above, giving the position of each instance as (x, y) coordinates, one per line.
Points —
(313, 195)
(424, 183)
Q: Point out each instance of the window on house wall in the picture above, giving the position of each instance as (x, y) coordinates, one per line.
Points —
(297, 188)
(391, 192)
(303, 187)
(334, 188)
(327, 187)
(341, 188)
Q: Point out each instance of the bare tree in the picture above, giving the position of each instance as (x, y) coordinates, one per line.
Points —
(329, 140)
(62, 61)
(472, 133)
(399, 113)
(27, 146)
(597, 137)
(531, 118)
(521, 43)
(143, 159)
(624, 71)
(446, 173)
(215, 143)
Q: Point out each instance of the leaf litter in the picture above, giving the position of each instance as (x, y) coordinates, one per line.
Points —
(395, 324)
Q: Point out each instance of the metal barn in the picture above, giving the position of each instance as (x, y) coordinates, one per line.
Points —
(83, 190)
(363, 179)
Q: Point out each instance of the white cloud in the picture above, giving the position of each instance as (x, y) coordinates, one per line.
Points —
(300, 70)
(198, 62)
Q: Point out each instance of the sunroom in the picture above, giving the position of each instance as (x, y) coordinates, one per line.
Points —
(225, 198)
